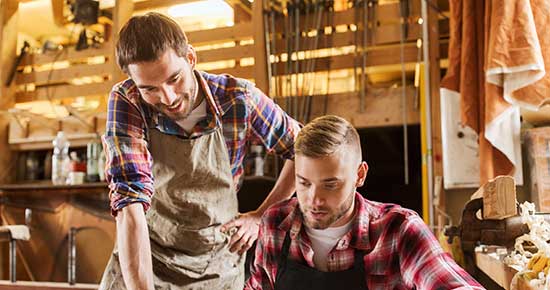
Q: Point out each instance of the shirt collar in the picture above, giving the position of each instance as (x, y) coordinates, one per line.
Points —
(357, 237)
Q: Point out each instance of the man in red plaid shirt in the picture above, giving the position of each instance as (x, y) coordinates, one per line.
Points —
(330, 237)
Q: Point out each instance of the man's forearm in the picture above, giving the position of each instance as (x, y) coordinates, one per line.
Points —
(283, 189)
(134, 248)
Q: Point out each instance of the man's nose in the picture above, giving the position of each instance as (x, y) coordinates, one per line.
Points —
(167, 95)
(316, 198)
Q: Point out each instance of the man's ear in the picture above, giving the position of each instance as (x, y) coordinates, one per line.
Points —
(361, 174)
(191, 56)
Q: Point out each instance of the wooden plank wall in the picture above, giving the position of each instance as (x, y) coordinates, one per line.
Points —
(70, 73)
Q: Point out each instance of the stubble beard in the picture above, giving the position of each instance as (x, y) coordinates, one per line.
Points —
(331, 218)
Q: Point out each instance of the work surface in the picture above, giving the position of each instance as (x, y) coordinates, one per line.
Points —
(26, 285)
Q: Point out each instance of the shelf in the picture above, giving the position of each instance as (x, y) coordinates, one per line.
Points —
(47, 188)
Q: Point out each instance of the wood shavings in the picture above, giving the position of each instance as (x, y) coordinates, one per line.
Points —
(533, 267)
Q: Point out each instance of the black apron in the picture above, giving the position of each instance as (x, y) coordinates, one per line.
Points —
(295, 276)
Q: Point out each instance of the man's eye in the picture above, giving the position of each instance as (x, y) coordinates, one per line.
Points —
(331, 186)
(175, 79)
(304, 183)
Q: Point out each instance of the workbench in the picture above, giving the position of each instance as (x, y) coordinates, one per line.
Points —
(55, 214)
(502, 274)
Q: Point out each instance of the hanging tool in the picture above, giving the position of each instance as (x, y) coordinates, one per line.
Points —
(404, 10)
(329, 42)
(297, 32)
(265, 16)
(273, 50)
(310, 70)
(364, 45)
(24, 50)
(288, 64)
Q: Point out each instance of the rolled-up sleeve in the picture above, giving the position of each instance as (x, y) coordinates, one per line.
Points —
(271, 125)
(128, 161)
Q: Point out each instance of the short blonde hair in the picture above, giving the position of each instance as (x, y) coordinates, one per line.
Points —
(326, 135)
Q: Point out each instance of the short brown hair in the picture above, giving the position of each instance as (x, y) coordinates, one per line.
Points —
(326, 135)
(146, 37)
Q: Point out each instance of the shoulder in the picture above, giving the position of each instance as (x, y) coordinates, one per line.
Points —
(388, 216)
(278, 212)
(125, 90)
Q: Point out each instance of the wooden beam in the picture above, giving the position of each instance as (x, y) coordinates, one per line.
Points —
(234, 33)
(154, 4)
(70, 54)
(121, 14)
(63, 75)
(261, 75)
(227, 53)
(382, 107)
(57, 10)
(245, 72)
(26, 285)
(374, 58)
(8, 46)
(64, 91)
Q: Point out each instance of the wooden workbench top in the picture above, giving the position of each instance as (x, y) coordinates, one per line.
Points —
(47, 188)
(28, 285)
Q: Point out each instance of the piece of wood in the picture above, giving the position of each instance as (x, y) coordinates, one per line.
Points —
(234, 33)
(8, 49)
(499, 197)
(435, 78)
(64, 91)
(45, 142)
(226, 53)
(27, 285)
(63, 75)
(261, 76)
(57, 12)
(377, 104)
(121, 14)
(501, 273)
(67, 54)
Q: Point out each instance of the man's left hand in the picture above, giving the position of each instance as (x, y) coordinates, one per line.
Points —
(247, 225)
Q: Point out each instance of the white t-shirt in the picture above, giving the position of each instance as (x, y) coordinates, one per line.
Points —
(196, 115)
(322, 241)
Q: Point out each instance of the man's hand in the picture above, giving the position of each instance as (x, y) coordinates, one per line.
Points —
(247, 226)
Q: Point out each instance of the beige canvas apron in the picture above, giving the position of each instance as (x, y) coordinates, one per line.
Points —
(194, 196)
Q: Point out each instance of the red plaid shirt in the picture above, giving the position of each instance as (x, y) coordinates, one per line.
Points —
(400, 250)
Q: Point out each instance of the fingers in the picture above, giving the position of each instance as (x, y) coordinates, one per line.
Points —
(237, 240)
(236, 222)
(248, 244)
(242, 240)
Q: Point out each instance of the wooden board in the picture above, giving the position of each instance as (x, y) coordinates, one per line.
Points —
(217, 35)
(67, 54)
(64, 91)
(499, 197)
(63, 75)
(377, 111)
(501, 273)
(26, 285)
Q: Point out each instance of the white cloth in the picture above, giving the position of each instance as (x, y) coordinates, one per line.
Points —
(196, 115)
(323, 241)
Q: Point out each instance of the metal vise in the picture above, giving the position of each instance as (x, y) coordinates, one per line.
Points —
(473, 231)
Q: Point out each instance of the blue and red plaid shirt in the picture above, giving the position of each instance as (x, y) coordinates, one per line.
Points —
(400, 250)
(245, 114)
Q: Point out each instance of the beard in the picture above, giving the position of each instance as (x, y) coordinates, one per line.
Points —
(330, 218)
(180, 115)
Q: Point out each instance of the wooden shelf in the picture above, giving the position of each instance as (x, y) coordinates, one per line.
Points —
(47, 188)
(27, 285)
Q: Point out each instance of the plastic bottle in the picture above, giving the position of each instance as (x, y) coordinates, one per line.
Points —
(60, 159)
